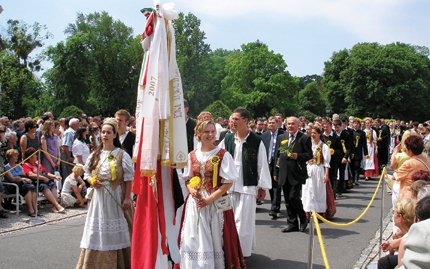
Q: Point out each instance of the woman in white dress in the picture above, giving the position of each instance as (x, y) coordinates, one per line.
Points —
(314, 191)
(370, 164)
(208, 237)
(107, 232)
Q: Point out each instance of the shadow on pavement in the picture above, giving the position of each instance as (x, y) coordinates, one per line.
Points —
(257, 261)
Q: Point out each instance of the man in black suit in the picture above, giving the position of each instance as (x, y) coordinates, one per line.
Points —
(269, 139)
(383, 134)
(342, 158)
(303, 123)
(126, 137)
(333, 142)
(291, 172)
(359, 148)
(190, 124)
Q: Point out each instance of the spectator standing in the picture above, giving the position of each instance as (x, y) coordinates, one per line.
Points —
(49, 143)
(66, 154)
(29, 139)
(80, 149)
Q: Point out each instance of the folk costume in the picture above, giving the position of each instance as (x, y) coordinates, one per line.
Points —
(371, 164)
(314, 191)
(106, 239)
(209, 239)
(251, 162)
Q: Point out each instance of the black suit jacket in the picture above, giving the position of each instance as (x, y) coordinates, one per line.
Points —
(128, 143)
(335, 145)
(346, 138)
(385, 135)
(288, 168)
(359, 145)
(266, 137)
(190, 125)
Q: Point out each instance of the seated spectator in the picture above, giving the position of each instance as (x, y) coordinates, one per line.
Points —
(11, 140)
(404, 215)
(72, 193)
(3, 212)
(80, 149)
(25, 185)
(3, 146)
(414, 250)
(46, 185)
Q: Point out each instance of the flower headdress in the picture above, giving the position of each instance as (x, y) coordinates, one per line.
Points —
(204, 116)
(113, 122)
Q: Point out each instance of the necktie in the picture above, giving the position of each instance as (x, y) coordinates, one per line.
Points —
(272, 147)
(291, 140)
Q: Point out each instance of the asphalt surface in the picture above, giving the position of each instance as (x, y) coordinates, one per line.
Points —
(56, 245)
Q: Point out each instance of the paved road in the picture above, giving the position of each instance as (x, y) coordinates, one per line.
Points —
(56, 245)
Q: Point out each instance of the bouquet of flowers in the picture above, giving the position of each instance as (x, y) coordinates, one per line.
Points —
(196, 183)
(285, 148)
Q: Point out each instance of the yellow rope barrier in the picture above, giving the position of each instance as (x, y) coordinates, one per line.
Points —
(317, 226)
(384, 173)
(23, 161)
(317, 217)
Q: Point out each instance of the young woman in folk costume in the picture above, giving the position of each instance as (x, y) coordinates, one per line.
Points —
(107, 232)
(314, 191)
(208, 237)
(371, 164)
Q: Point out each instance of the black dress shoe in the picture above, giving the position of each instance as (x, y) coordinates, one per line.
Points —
(303, 226)
(290, 228)
(272, 213)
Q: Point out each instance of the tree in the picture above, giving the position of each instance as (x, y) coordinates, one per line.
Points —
(381, 80)
(219, 109)
(97, 68)
(311, 99)
(192, 54)
(257, 80)
(20, 87)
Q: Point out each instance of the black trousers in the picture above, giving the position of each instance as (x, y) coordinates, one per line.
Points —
(356, 169)
(382, 156)
(275, 193)
(341, 182)
(294, 204)
(388, 262)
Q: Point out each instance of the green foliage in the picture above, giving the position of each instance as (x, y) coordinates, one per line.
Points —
(219, 109)
(97, 67)
(71, 111)
(257, 80)
(20, 87)
(312, 100)
(380, 81)
(192, 55)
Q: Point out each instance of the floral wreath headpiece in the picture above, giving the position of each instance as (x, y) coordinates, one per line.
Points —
(113, 122)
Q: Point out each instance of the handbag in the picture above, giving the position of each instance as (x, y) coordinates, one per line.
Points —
(90, 192)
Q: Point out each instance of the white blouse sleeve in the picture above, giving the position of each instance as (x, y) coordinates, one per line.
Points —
(127, 166)
(326, 155)
(87, 173)
(77, 148)
(228, 171)
(188, 170)
(374, 137)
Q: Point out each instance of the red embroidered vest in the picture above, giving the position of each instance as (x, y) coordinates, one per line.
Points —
(207, 177)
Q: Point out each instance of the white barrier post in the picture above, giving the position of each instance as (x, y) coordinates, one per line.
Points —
(311, 242)
(383, 175)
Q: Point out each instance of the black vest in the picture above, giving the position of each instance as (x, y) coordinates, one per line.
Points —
(249, 156)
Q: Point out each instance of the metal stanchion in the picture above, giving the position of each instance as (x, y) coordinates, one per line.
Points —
(37, 221)
(383, 175)
(311, 242)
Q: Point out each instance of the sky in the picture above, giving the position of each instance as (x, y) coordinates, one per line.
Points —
(304, 32)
